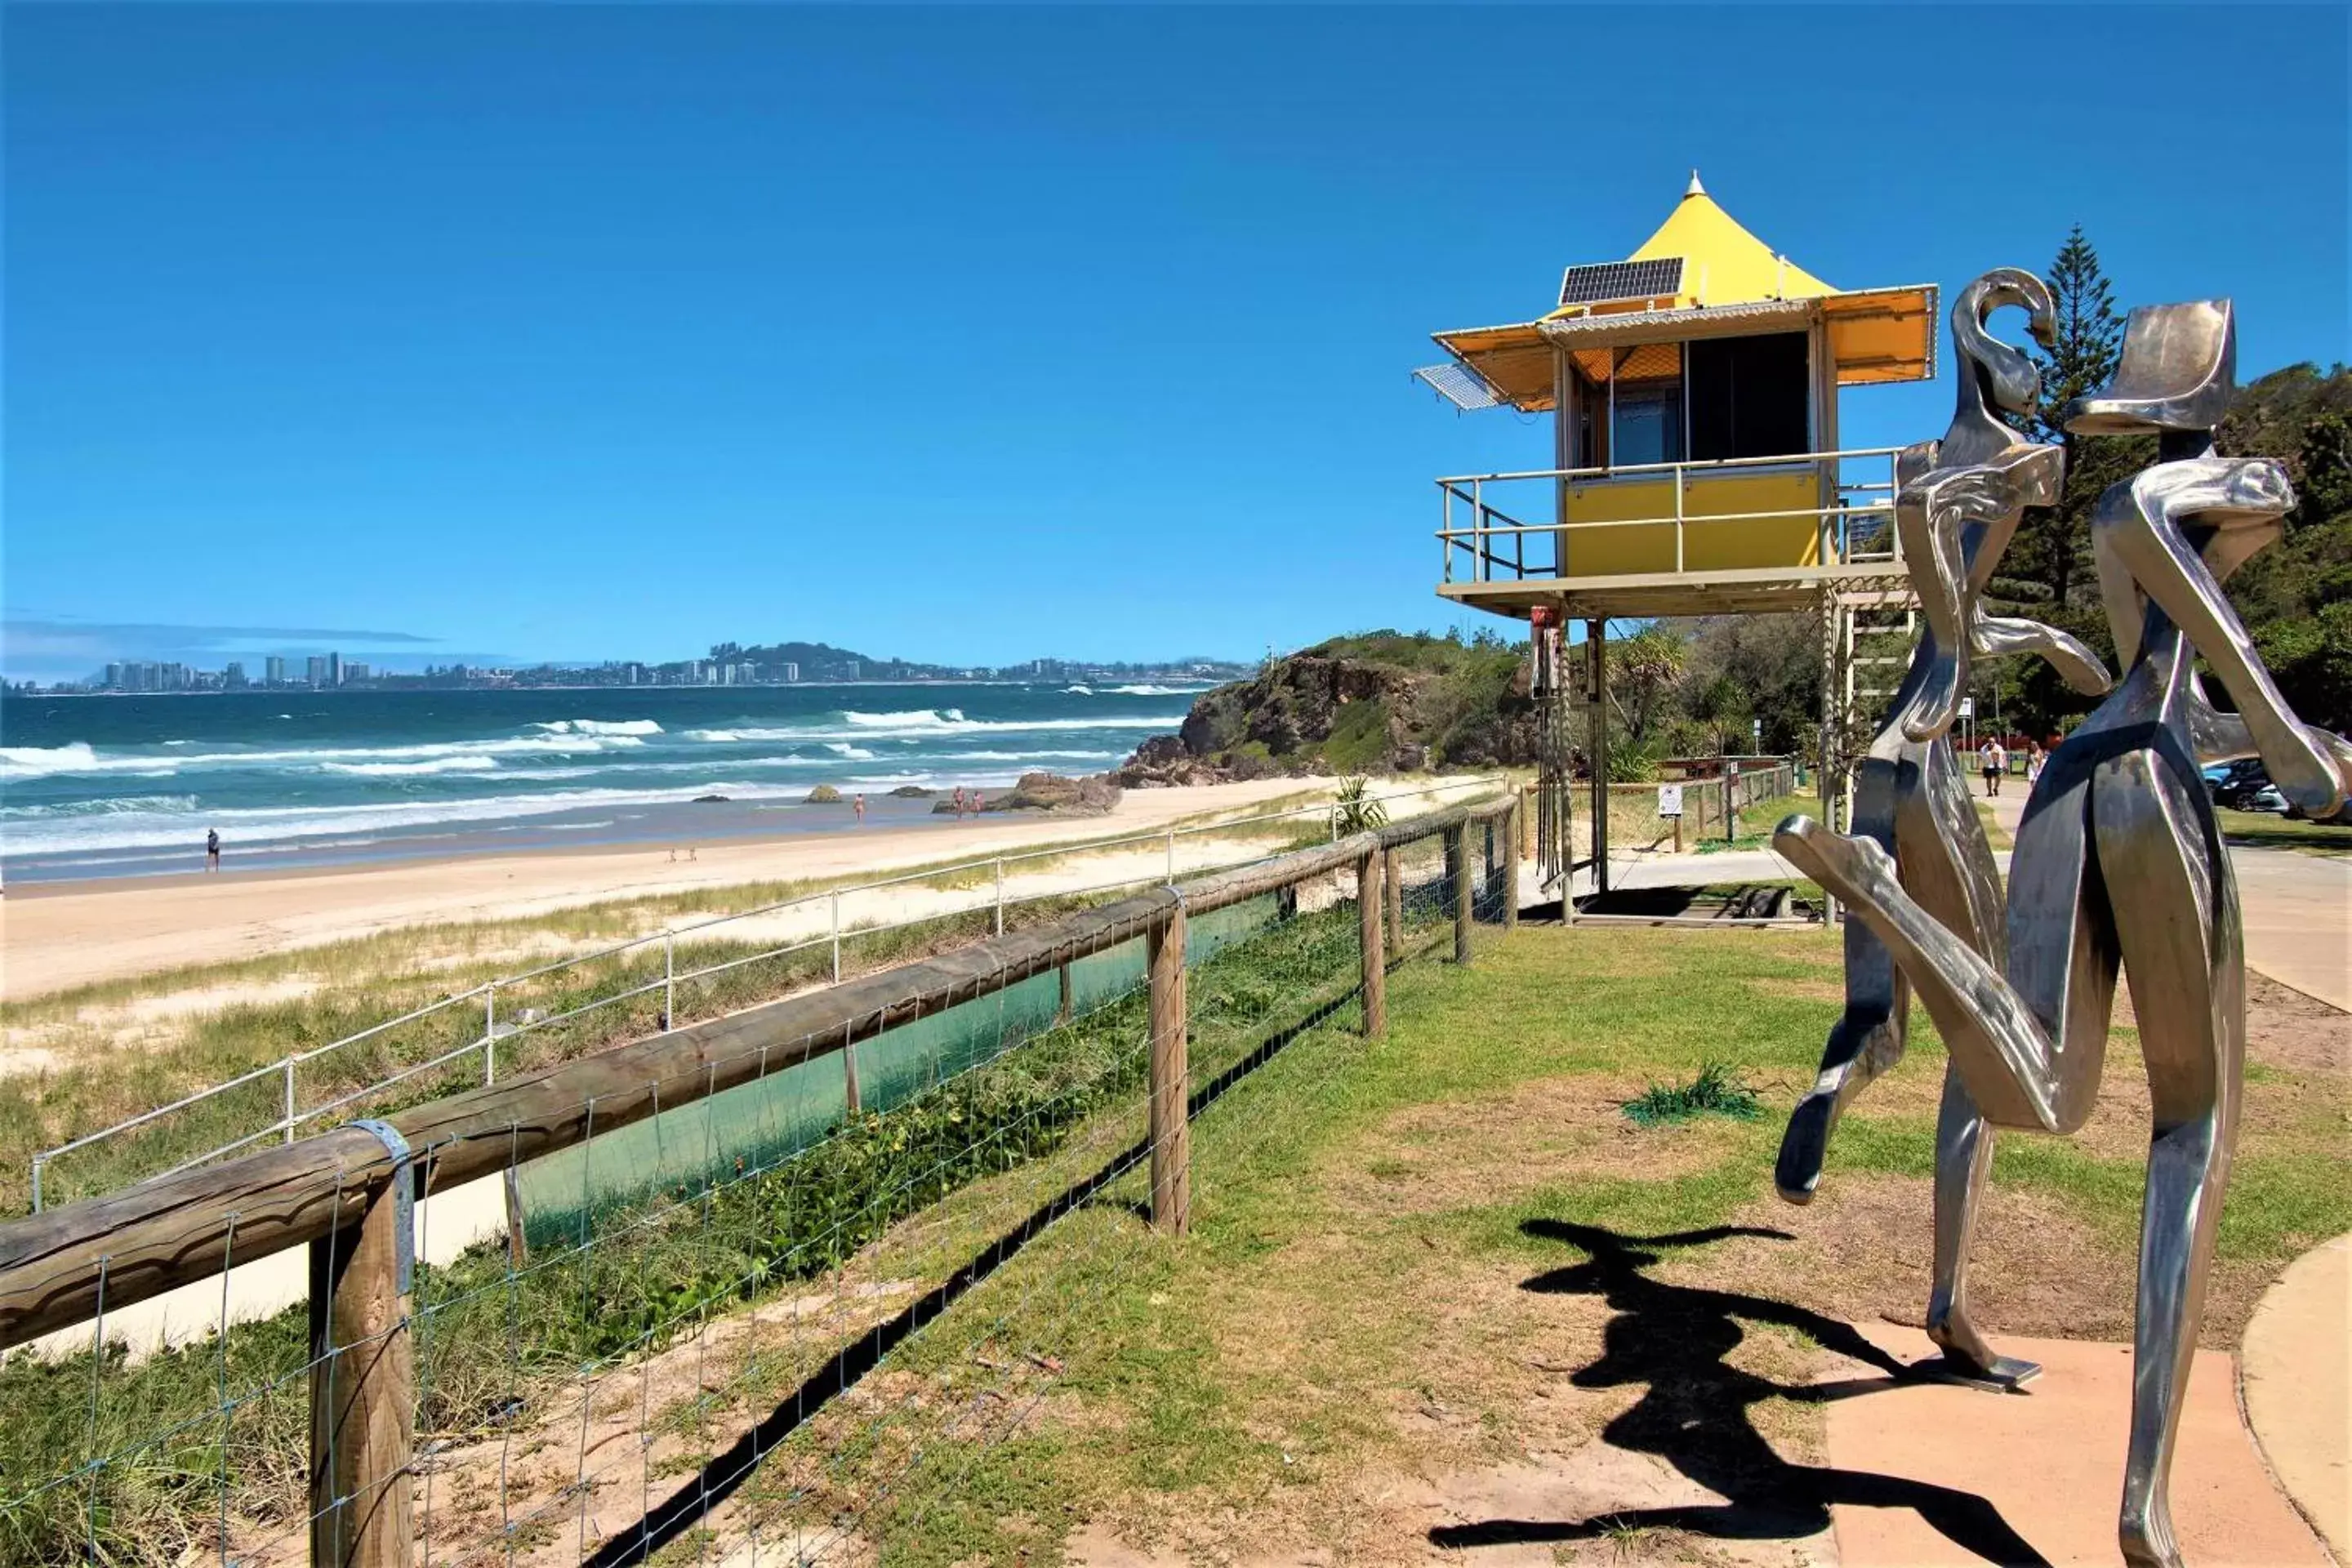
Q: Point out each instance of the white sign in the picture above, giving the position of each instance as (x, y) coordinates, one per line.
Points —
(1670, 800)
(1968, 707)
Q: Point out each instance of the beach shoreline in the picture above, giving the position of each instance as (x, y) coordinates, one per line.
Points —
(58, 936)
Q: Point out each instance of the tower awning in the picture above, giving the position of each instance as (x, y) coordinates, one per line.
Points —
(1703, 275)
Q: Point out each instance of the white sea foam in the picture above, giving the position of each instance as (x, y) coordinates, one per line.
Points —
(599, 727)
(78, 757)
(74, 757)
(1147, 690)
(844, 749)
(252, 827)
(110, 805)
(1079, 690)
(909, 719)
(469, 764)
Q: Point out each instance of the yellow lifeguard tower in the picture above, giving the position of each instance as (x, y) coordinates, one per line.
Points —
(1697, 468)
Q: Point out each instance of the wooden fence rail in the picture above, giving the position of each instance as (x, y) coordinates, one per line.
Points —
(346, 1193)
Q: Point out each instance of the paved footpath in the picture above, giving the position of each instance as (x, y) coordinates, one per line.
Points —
(2296, 910)
(2295, 1378)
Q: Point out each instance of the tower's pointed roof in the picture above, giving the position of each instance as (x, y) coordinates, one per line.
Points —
(1723, 264)
(1699, 275)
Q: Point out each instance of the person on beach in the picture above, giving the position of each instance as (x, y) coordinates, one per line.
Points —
(211, 849)
(958, 803)
(1995, 762)
(858, 805)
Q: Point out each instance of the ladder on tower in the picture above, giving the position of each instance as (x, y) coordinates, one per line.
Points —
(1869, 631)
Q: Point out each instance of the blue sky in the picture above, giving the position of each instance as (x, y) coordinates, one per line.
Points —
(977, 333)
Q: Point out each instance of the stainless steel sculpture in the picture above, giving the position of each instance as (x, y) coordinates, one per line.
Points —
(2119, 864)
(1958, 504)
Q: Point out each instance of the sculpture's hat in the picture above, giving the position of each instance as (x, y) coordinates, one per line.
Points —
(2180, 366)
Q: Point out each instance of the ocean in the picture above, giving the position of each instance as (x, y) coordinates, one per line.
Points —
(109, 786)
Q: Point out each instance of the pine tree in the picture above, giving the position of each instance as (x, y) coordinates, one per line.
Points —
(2048, 573)
(2090, 335)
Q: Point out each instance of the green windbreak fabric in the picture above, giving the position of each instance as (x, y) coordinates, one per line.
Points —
(761, 1124)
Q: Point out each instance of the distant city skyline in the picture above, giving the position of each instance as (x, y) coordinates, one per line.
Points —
(331, 671)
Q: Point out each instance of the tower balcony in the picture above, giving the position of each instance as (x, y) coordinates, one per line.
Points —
(1731, 535)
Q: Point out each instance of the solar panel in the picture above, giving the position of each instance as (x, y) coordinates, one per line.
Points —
(1464, 389)
(1603, 283)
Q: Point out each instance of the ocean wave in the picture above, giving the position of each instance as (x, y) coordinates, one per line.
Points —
(469, 764)
(869, 727)
(78, 757)
(598, 727)
(108, 807)
(1079, 690)
(1147, 690)
(844, 749)
(259, 827)
(73, 757)
(909, 719)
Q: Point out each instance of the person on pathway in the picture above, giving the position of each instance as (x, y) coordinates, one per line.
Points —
(2032, 763)
(211, 849)
(1995, 763)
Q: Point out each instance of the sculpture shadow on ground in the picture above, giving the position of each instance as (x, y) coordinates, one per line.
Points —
(1674, 1340)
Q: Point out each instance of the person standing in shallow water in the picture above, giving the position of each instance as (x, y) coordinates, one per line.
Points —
(859, 806)
(211, 849)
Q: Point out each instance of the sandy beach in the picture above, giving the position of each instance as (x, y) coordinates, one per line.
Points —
(56, 936)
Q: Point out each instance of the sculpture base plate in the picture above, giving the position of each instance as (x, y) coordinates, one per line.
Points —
(2007, 1375)
(2051, 1461)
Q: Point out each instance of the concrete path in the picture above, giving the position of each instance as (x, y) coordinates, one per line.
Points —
(2295, 1373)
(2297, 910)
(2049, 1465)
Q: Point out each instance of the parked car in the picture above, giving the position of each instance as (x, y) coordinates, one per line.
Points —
(2244, 785)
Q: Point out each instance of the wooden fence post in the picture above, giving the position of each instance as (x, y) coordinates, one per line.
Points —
(1171, 1143)
(363, 1385)
(1392, 894)
(1372, 953)
(1063, 1012)
(1457, 866)
(1511, 863)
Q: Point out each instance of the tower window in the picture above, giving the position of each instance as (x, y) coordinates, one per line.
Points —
(1750, 397)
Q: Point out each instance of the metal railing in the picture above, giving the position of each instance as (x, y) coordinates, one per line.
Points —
(294, 1115)
(1853, 527)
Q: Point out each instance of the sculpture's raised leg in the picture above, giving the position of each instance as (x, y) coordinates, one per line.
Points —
(1868, 1036)
(2029, 1052)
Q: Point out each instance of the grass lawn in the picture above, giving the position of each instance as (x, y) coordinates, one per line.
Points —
(1423, 1274)
(1407, 1258)
(2269, 831)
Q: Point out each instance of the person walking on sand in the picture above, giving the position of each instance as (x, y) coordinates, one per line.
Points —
(958, 803)
(1995, 762)
(211, 849)
(858, 805)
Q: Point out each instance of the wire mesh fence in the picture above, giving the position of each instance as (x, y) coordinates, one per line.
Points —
(780, 1305)
(573, 1005)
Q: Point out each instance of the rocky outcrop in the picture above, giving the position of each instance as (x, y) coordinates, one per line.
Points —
(1057, 795)
(823, 794)
(912, 791)
(1436, 704)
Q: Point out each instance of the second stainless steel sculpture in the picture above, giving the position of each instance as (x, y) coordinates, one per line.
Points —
(2119, 863)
